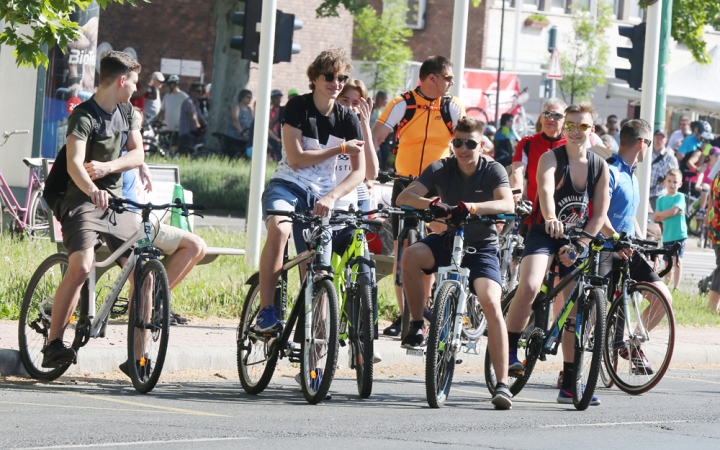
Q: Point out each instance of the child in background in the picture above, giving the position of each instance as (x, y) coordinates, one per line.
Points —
(671, 212)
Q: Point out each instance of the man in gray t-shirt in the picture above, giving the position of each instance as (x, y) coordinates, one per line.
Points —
(477, 186)
(171, 104)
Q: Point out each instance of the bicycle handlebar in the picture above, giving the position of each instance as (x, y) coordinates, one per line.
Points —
(7, 135)
(118, 205)
(385, 177)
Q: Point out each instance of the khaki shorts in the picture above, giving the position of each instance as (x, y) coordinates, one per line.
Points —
(165, 237)
(83, 224)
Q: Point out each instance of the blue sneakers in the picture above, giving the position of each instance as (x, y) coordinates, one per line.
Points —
(266, 321)
(565, 397)
(515, 364)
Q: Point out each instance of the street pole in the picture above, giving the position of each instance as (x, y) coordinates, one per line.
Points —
(260, 135)
(518, 29)
(665, 30)
(500, 57)
(647, 103)
(459, 43)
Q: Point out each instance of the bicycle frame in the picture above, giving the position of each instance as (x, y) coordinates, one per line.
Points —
(19, 213)
(401, 238)
(457, 275)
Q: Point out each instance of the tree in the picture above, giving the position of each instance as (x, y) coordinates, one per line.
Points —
(381, 41)
(48, 23)
(689, 18)
(585, 54)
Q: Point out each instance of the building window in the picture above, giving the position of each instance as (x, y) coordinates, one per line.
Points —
(531, 2)
(636, 11)
(560, 4)
(415, 17)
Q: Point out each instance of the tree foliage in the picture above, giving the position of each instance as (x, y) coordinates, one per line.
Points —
(585, 54)
(381, 41)
(689, 18)
(48, 23)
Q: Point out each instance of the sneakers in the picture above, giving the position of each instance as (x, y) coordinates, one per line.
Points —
(266, 321)
(427, 315)
(502, 398)
(565, 397)
(415, 338)
(57, 355)
(298, 380)
(515, 365)
(143, 371)
(559, 380)
(377, 357)
(394, 329)
(638, 358)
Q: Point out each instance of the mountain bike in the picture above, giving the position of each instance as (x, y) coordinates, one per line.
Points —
(538, 340)
(148, 311)
(640, 335)
(310, 331)
(449, 312)
(356, 286)
(33, 218)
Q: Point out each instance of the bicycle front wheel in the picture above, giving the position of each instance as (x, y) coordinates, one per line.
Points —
(588, 348)
(256, 359)
(361, 340)
(474, 321)
(39, 217)
(36, 315)
(148, 326)
(319, 350)
(440, 360)
(640, 347)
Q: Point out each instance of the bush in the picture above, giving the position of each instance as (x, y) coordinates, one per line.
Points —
(216, 182)
(535, 17)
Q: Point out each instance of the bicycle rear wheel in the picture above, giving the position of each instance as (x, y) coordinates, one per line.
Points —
(148, 326)
(39, 217)
(35, 317)
(640, 362)
(588, 351)
(361, 341)
(256, 358)
(319, 350)
(440, 360)
(412, 237)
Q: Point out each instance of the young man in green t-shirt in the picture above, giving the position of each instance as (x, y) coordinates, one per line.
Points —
(95, 174)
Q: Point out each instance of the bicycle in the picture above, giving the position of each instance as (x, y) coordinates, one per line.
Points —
(640, 322)
(33, 218)
(449, 313)
(149, 310)
(356, 285)
(538, 340)
(315, 341)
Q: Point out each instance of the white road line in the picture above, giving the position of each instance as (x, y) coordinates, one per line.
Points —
(693, 379)
(144, 443)
(612, 424)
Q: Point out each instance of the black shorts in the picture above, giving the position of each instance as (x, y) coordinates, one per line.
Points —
(398, 187)
(538, 242)
(484, 263)
(640, 269)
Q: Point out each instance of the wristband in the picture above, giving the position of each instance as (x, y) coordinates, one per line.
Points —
(550, 218)
(472, 208)
(342, 148)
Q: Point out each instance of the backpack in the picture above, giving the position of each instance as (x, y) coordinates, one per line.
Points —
(411, 106)
(56, 182)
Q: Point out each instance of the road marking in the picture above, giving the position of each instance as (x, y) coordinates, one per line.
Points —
(127, 444)
(87, 407)
(527, 399)
(612, 424)
(693, 379)
(143, 405)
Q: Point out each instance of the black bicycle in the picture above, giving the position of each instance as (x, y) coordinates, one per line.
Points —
(538, 340)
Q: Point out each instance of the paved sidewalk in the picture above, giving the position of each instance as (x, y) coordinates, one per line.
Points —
(207, 347)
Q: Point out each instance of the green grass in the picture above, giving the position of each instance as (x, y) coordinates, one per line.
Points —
(217, 183)
(691, 308)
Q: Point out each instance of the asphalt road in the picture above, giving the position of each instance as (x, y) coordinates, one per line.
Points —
(682, 412)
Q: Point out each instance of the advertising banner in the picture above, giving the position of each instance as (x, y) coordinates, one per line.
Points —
(480, 90)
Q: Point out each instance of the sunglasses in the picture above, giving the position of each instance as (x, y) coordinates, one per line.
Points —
(647, 142)
(448, 78)
(552, 115)
(469, 143)
(330, 77)
(569, 126)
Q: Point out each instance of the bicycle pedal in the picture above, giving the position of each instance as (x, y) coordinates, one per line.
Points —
(542, 358)
(120, 307)
(342, 342)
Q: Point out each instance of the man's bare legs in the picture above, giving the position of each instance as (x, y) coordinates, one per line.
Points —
(68, 292)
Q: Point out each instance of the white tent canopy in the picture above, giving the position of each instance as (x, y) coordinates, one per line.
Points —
(695, 87)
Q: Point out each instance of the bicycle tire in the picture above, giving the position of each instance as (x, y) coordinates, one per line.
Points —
(479, 114)
(34, 323)
(659, 347)
(39, 223)
(324, 328)
(152, 316)
(255, 374)
(593, 327)
(411, 238)
(440, 360)
(362, 344)
(515, 383)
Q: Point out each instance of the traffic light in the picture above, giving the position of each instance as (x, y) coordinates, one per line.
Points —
(249, 43)
(285, 26)
(636, 55)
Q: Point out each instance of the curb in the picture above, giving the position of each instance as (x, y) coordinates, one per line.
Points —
(93, 361)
